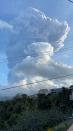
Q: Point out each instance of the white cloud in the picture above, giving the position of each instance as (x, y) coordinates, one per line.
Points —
(5, 25)
(35, 34)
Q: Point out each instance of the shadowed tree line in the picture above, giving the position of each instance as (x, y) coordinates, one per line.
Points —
(42, 110)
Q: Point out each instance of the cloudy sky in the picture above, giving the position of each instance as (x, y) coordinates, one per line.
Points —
(35, 42)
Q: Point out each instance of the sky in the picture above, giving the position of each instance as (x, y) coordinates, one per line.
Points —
(60, 10)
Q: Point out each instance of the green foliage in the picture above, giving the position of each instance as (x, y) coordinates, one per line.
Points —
(63, 126)
(30, 113)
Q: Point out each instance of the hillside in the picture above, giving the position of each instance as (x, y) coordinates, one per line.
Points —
(26, 113)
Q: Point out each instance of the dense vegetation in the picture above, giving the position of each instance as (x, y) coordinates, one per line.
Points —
(31, 113)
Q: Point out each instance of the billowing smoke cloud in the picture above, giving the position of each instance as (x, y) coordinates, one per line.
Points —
(33, 43)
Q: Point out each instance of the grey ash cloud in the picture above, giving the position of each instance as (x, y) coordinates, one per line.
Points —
(34, 34)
